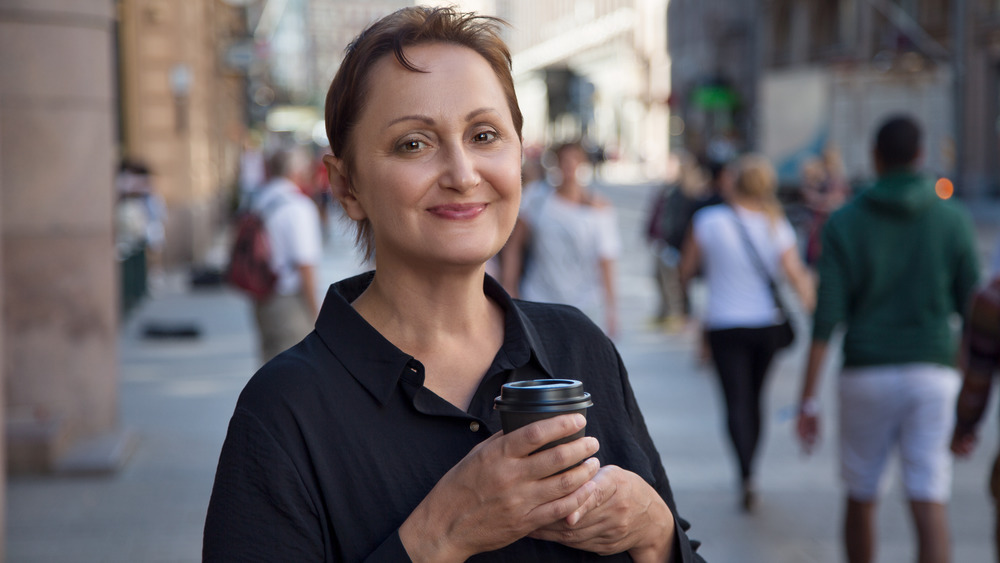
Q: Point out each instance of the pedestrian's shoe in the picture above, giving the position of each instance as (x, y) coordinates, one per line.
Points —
(748, 500)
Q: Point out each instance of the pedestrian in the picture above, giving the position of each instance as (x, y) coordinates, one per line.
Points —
(980, 363)
(742, 245)
(375, 438)
(666, 228)
(824, 190)
(898, 264)
(572, 237)
(140, 219)
(292, 224)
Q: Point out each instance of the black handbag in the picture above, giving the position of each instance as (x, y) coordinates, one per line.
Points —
(784, 333)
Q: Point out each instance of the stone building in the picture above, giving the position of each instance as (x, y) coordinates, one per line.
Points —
(799, 76)
(82, 83)
(57, 275)
(183, 110)
(599, 70)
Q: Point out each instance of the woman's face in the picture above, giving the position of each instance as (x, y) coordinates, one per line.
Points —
(437, 160)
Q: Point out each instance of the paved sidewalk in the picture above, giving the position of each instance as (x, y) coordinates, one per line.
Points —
(178, 395)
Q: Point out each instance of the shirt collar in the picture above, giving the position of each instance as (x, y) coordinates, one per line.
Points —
(378, 365)
(521, 338)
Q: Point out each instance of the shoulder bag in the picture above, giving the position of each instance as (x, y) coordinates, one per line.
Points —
(784, 333)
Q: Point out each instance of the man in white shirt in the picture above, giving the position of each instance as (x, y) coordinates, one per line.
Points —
(293, 227)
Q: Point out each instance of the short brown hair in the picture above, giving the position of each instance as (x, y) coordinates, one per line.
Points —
(418, 25)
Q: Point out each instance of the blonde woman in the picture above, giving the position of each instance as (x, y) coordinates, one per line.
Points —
(741, 318)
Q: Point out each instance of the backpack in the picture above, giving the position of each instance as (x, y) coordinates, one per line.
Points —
(249, 266)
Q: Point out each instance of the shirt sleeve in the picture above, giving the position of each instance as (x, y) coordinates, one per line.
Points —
(785, 236)
(684, 549)
(260, 509)
(301, 233)
(834, 284)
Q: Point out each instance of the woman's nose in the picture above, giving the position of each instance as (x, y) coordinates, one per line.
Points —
(461, 172)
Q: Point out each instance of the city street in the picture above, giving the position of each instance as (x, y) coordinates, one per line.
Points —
(176, 396)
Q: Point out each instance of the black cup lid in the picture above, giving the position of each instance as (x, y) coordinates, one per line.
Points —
(535, 393)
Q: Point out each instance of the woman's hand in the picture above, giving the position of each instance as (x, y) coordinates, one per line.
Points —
(624, 514)
(501, 491)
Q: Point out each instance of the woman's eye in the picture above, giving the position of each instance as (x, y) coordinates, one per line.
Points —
(411, 145)
(485, 136)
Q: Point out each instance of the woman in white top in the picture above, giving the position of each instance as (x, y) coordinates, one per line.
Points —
(571, 237)
(742, 318)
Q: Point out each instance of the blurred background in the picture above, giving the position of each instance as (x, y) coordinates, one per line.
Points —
(172, 103)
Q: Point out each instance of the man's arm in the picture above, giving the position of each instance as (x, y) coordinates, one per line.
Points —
(831, 310)
(808, 421)
(607, 266)
(307, 273)
(980, 359)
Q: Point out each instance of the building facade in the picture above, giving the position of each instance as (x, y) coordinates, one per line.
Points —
(595, 70)
(183, 99)
(797, 77)
(84, 83)
(57, 138)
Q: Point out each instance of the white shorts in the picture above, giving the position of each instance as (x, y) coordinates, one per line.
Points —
(911, 406)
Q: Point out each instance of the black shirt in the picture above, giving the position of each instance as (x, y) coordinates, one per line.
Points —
(335, 442)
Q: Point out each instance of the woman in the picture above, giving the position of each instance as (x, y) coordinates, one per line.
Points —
(741, 317)
(571, 236)
(375, 438)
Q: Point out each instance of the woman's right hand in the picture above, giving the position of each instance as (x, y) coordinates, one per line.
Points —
(500, 492)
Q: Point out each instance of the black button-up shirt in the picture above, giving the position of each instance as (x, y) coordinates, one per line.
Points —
(335, 442)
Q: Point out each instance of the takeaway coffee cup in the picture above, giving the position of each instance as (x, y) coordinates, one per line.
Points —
(523, 402)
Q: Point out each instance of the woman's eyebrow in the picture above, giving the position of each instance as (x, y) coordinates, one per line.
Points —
(477, 112)
(422, 118)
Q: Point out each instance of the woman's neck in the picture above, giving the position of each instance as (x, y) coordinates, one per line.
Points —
(413, 309)
(572, 191)
(443, 320)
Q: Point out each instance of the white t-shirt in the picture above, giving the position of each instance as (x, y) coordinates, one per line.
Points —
(568, 241)
(738, 295)
(292, 223)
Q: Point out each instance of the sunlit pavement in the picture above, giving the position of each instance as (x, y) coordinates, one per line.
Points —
(177, 396)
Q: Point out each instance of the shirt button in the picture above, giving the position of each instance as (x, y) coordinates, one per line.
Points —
(474, 426)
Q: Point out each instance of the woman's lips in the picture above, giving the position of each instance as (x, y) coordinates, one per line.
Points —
(458, 211)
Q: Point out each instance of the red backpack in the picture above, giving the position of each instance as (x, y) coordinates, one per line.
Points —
(250, 259)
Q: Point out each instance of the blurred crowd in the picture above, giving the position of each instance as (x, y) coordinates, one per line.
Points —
(721, 218)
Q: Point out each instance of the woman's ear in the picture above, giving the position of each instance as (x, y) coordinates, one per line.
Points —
(340, 184)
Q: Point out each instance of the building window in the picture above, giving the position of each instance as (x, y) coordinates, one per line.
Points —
(781, 35)
(825, 29)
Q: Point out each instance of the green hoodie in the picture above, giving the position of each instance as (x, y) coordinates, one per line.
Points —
(897, 264)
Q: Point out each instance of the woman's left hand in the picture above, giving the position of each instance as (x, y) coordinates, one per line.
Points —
(624, 514)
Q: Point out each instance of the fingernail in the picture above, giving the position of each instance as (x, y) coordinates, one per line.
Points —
(573, 518)
(579, 420)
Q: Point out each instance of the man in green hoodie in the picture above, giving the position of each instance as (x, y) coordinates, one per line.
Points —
(898, 264)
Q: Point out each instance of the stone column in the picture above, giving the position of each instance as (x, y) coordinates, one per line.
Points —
(3, 442)
(59, 274)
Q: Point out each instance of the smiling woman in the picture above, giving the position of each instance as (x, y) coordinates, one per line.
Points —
(435, 166)
(375, 438)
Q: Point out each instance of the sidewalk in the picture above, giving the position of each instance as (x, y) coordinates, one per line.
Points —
(177, 396)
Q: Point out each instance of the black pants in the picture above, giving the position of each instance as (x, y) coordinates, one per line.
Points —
(742, 357)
